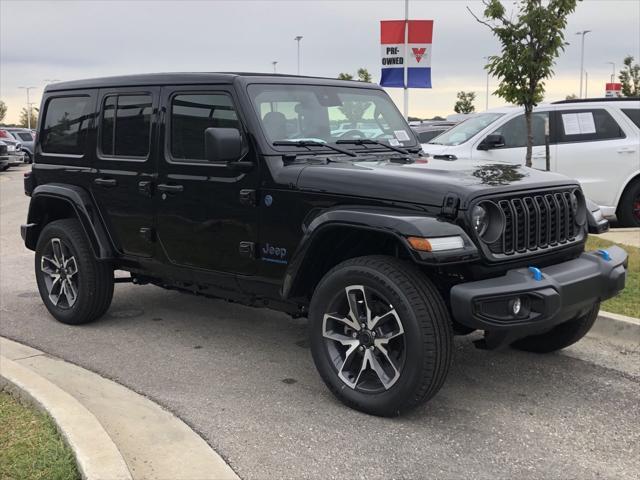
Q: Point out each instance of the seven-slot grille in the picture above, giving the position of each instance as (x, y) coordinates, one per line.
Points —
(537, 221)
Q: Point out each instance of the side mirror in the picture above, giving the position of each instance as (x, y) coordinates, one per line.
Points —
(491, 141)
(222, 144)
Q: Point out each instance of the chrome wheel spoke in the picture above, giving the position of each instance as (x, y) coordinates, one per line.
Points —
(384, 376)
(49, 266)
(71, 266)
(55, 290)
(390, 316)
(359, 309)
(70, 292)
(346, 321)
(58, 254)
(349, 358)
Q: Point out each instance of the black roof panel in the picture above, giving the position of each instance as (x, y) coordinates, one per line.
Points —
(195, 78)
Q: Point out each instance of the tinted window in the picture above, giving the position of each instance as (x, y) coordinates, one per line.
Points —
(65, 125)
(514, 131)
(25, 137)
(191, 115)
(126, 125)
(633, 114)
(424, 137)
(586, 125)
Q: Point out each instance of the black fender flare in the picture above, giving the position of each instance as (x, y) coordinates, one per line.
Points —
(395, 222)
(85, 211)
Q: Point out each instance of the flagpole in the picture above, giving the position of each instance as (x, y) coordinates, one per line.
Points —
(406, 47)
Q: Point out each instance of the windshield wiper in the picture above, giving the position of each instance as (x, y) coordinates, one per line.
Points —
(312, 143)
(368, 141)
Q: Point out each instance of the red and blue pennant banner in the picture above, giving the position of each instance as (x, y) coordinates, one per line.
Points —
(416, 51)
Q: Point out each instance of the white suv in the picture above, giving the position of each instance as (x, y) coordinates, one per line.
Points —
(594, 141)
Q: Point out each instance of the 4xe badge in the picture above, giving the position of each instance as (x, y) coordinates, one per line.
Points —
(274, 254)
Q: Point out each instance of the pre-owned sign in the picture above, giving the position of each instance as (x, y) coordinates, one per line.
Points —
(406, 53)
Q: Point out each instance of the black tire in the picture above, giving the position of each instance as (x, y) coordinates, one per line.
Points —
(561, 336)
(422, 351)
(93, 280)
(28, 158)
(628, 213)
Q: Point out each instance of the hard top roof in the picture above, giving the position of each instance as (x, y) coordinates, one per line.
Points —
(196, 78)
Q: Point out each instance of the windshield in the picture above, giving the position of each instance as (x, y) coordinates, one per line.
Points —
(465, 130)
(328, 114)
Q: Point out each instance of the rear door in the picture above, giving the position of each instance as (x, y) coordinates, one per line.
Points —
(593, 148)
(125, 166)
(206, 212)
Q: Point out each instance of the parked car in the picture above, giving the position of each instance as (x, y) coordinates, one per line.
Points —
(26, 138)
(596, 141)
(14, 147)
(428, 131)
(4, 156)
(386, 255)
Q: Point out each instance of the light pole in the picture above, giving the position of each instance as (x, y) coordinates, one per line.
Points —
(28, 105)
(583, 33)
(274, 63)
(586, 84)
(486, 102)
(613, 71)
(297, 39)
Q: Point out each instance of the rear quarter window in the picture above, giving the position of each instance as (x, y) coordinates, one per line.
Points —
(65, 125)
(633, 114)
(586, 125)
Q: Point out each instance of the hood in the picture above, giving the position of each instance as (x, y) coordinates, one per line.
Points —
(432, 149)
(424, 183)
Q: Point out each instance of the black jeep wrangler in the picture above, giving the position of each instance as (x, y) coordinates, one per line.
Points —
(309, 196)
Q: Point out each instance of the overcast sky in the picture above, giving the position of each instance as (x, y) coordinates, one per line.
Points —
(69, 40)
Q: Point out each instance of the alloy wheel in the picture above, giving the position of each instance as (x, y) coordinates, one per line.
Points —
(60, 271)
(365, 340)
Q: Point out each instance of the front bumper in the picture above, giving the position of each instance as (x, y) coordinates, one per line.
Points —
(563, 291)
(16, 158)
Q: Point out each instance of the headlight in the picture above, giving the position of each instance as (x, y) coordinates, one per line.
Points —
(479, 219)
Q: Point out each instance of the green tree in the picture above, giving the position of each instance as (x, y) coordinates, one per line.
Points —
(3, 110)
(364, 75)
(571, 96)
(530, 43)
(24, 115)
(465, 102)
(630, 78)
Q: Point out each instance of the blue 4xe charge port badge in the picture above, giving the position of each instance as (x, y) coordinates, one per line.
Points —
(274, 254)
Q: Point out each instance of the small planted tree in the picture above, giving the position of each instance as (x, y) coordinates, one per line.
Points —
(630, 78)
(530, 42)
(465, 102)
(3, 110)
(345, 76)
(24, 118)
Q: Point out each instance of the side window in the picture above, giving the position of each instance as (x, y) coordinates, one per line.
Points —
(125, 128)
(65, 125)
(515, 130)
(191, 115)
(633, 114)
(586, 125)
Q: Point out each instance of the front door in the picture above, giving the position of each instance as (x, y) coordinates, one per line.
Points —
(514, 132)
(206, 213)
(125, 166)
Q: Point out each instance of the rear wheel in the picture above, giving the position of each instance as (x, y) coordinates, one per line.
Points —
(561, 336)
(74, 287)
(629, 209)
(380, 335)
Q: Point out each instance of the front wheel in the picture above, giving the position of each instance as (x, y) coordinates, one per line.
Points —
(74, 287)
(380, 335)
(561, 336)
(629, 208)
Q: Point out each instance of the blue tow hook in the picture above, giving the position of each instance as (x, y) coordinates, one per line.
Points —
(537, 274)
(605, 255)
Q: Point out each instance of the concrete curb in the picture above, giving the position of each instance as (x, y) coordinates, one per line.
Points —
(153, 442)
(618, 329)
(96, 455)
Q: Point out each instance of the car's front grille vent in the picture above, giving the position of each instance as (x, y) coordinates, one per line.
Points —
(533, 222)
(3, 149)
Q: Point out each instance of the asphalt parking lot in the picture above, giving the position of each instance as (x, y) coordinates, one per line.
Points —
(244, 379)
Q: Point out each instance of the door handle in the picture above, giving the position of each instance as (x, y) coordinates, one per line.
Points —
(626, 150)
(105, 182)
(163, 187)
